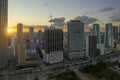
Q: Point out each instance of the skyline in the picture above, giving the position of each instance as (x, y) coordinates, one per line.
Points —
(59, 42)
(37, 12)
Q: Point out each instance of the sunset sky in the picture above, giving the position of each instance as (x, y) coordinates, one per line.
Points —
(37, 12)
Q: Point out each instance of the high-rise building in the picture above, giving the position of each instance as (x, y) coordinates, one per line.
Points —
(40, 36)
(76, 41)
(19, 32)
(109, 39)
(119, 33)
(96, 31)
(21, 46)
(53, 40)
(91, 46)
(3, 32)
(31, 33)
(119, 64)
(101, 49)
(115, 33)
(102, 37)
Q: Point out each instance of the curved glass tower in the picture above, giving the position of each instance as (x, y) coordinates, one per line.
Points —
(3, 32)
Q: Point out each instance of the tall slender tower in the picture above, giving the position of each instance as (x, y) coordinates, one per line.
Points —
(3, 32)
(109, 39)
(21, 46)
(31, 33)
(91, 45)
(96, 31)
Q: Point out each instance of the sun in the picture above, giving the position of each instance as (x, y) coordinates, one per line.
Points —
(10, 30)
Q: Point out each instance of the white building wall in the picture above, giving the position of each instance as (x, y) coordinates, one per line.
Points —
(102, 49)
(54, 57)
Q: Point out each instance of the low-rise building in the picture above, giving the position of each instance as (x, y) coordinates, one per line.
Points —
(101, 49)
(53, 57)
(76, 55)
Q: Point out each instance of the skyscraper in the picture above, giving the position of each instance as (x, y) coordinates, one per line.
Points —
(109, 39)
(21, 46)
(91, 46)
(96, 31)
(119, 33)
(53, 39)
(76, 41)
(40, 36)
(3, 32)
(19, 33)
(115, 33)
(31, 33)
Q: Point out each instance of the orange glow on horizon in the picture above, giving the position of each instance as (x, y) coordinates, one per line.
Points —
(13, 30)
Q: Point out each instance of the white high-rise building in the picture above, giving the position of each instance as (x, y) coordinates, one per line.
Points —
(109, 38)
(4, 55)
(76, 39)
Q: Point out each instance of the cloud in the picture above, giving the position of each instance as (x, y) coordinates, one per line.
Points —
(106, 9)
(115, 17)
(87, 20)
(58, 22)
(46, 4)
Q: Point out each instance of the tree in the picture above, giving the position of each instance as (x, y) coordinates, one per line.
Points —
(0, 75)
(36, 79)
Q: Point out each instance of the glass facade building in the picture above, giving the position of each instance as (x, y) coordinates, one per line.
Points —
(3, 32)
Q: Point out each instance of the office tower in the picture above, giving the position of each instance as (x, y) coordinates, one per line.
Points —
(115, 33)
(119, 33)
(3, 32)
(101, 48)
(19, 36)
(40, 36)
(76, 41)
(65, 34)
(31, 33)
(91, 46)
(119, 28)
(53, 40)
(96, 31)
(19, 32)
(119, 64)
(109, 39)
(102, 35)
(21, 46)
(100, 39)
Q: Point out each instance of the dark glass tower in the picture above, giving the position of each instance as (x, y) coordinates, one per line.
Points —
(91, 46)
(3, 32)
(53, 40)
